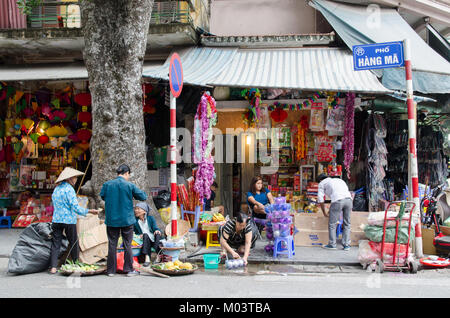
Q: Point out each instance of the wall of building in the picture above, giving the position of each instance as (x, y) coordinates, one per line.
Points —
(262, 17)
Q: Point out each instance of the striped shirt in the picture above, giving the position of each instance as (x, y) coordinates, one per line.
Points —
(235, 238)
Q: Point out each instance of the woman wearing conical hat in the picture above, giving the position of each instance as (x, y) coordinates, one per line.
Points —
(66, 208)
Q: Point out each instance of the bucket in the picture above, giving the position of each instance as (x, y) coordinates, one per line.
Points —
(211, 261)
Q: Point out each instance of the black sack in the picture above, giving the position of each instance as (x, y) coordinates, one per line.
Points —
(162, 200)
(32, 251)
(360, 202)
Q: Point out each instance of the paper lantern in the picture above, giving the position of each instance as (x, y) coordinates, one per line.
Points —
(56, 131)
(84, 135)
(43, 139)
(43, 124)
(18, 147)
(83, 99)
(28, 124)
(34, 137)
(279, 115)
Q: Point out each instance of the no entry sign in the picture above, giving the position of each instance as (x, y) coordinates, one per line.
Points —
(175, 75)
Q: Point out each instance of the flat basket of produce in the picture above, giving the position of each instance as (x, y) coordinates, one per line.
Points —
(175, 268)
(81, 269)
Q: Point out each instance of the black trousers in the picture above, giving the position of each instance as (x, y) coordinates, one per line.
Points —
(148, 244)
(113, 238)
(57, 235)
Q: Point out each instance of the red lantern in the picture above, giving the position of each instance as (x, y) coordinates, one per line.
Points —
(84, 135)
(83, 99)
(279, 115)
(43, 139)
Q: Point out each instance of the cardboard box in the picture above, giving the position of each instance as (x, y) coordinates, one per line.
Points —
(94, 254)
(311, 238)
(311, 221)
(427, 241)
(93, 237)
(358, 218)
(356, 236)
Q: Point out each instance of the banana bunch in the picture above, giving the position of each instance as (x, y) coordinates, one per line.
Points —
(217, 217)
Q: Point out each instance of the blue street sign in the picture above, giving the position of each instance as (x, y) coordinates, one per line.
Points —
(175, 75)
(378, 55)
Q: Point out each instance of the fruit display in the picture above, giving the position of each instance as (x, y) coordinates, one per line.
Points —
(217, 217)
(78, 267)
(174, 266)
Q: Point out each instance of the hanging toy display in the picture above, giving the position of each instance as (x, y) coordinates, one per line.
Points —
(252, 115)
(205, 119)
(348, 139)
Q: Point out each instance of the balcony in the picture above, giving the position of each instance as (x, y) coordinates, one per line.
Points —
(52, 32)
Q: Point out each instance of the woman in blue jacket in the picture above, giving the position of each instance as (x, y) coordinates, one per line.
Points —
(146, 226)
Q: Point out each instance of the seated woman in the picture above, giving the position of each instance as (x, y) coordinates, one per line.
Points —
(258, 197)
(209, 203)
(238, 234)
(146, 227)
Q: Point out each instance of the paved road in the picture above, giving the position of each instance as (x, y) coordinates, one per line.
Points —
(265, 281)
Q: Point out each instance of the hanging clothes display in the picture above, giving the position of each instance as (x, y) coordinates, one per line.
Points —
(376, 161)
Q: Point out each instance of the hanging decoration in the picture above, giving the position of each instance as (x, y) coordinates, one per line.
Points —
(348, 139)
(302, 142)
(205, 119)
(252, 115)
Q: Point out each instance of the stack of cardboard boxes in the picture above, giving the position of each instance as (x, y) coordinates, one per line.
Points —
(313, 228)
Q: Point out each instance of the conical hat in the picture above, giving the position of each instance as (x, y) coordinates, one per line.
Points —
(68, 173)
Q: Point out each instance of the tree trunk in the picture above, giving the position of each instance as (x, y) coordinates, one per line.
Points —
(115, 35)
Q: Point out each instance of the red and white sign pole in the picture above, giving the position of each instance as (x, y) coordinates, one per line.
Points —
(414, 171)
(176, 85)
(173, 164)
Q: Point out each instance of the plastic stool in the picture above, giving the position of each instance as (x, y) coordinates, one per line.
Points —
(8, 219)
(196, 214)
(277, 250)
(209, 239)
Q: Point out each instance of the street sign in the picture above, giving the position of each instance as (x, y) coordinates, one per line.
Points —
(378, 55)
(175, 75)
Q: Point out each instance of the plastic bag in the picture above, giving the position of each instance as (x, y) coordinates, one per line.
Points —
(162, 200)
(360, 202)
(32, 251)
(369, 252)
(375, 234)
(121, 261)
(166, 215)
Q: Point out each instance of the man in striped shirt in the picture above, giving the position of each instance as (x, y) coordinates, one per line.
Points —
(238, 234)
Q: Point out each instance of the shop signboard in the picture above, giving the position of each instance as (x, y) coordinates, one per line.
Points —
(378, 55)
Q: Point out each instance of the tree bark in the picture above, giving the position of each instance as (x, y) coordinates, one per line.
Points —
(115, 35)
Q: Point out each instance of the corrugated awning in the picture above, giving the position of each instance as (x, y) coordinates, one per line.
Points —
(304, 69)
(357, 24)
(51, 72)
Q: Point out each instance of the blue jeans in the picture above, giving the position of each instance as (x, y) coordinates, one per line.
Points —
(344, 205)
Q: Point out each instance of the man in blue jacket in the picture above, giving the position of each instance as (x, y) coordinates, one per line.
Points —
(118, 195)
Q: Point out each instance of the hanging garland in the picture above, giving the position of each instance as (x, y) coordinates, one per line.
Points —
(252, 115)
(302, 143)
(205, 119)
(348, 139)
(332, 100)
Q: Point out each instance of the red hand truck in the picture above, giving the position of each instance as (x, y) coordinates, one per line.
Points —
(402, 212)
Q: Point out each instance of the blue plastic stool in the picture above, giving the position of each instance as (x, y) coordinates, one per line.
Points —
(277, 250)
(6, 226)
(196, 214)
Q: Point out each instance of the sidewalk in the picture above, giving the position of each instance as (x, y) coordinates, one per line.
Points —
(303, 255)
